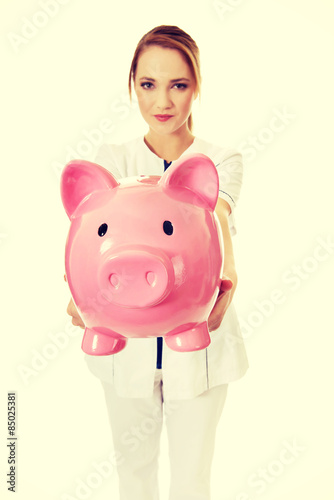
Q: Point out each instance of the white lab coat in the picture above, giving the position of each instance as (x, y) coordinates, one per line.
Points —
(185, 374)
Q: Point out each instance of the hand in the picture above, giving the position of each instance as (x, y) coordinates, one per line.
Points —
(230, 278)
(72, 311)
(226, 292)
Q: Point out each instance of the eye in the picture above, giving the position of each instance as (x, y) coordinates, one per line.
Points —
(180, 86)
(146, 85)
(168, 227)
(103, 229)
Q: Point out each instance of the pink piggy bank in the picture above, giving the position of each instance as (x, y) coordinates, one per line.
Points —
(143, 255)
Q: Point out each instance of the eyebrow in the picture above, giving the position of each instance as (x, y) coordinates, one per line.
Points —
(172, 81)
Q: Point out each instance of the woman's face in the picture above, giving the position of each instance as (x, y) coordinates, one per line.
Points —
(165, 89)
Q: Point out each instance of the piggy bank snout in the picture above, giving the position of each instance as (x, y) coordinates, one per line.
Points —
(136, 278)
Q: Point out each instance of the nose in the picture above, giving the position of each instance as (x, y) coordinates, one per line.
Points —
(163, 100)
(136, 279)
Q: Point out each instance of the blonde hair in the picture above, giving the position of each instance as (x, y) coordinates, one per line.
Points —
(170, 37)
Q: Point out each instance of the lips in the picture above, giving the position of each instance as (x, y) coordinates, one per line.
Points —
(163, 118)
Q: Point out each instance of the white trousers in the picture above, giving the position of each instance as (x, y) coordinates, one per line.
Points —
(136, 425)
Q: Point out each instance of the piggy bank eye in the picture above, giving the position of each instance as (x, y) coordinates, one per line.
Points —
(168, 227)
(103, 229)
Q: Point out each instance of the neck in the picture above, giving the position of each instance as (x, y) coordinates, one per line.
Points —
(169, 147)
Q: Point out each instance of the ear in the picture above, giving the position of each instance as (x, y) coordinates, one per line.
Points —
(79, 179)
(197, 173)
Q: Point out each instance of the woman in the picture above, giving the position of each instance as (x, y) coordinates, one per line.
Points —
(147, 378)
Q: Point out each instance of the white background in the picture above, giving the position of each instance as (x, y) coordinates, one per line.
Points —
(259, 58)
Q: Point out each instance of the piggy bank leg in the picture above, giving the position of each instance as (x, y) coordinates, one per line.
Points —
(101, 342)
(190, 340)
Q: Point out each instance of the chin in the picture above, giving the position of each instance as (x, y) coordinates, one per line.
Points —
(164, 129)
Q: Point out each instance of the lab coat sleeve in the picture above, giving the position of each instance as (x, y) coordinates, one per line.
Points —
(230, 171)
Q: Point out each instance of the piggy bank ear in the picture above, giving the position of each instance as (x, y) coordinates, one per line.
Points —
(79, 179)
(197, 173)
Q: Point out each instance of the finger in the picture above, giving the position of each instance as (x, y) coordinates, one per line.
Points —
(75, 322)
(226, 285)
(214, 325)
(70, 310)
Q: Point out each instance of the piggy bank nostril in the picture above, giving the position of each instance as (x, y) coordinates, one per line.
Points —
(151, 278)
(136, 278)
(114, 280)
